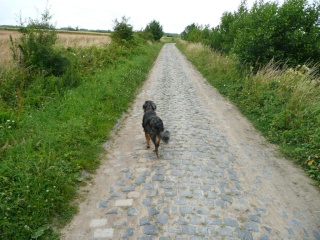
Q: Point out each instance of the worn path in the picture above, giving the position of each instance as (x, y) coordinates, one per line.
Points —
(216, 179)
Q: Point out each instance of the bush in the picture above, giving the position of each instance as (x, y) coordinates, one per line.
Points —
(34, 50)
(122, 31)
(155, 29)
(289, 33)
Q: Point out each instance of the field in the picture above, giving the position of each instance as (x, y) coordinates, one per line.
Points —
(67, 39)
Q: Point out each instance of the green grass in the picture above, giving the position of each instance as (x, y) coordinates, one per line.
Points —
(48, 138)
(283, 104)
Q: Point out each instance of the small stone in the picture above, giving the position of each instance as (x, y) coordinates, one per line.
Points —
(124, 203)
(158, 178)
(255, 218)
(295, 222)
(213, 221)
(129, 233)
(162, 218)
(244, 235)
(132, 211)
(202, 211)
(153, 211)
(185, 210)
(140, 180)
(225, 231)
(112, 190)
(144, 221)
(316, 234)
(189, 230)
(264, 237)
(103, 204)
(146, 238)
(150, 230)
(180, 201)
(120, 183)
(121, 223)
(231, 222)
(128, 189)
(112, 211)
(226, 198)
(146, 202)
(251, 226)
(148, 186)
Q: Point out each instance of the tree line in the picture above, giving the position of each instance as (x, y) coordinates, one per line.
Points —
(287, 33)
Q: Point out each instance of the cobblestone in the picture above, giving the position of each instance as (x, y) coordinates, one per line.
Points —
(204, 185)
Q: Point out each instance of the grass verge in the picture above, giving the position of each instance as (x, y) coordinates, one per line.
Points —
(45, 148)
(282, 103)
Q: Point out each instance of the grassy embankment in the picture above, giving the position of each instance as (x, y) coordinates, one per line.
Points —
(52, 129)
(283, 104)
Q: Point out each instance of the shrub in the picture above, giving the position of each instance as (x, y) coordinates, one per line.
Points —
(122, 31)
(288, 33)
(34, 50)
(155, 29)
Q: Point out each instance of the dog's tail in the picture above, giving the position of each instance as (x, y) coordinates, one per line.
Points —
(165, 136)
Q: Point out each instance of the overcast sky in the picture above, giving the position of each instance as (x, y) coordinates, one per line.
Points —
(174, 16)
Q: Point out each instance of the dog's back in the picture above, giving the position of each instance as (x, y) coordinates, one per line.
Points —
(152, 123)
(153, 126)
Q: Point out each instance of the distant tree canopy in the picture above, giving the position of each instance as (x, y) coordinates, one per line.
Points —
(155, 29)
(288, 33)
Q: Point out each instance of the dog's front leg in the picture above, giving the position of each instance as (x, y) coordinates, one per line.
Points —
(147, 139)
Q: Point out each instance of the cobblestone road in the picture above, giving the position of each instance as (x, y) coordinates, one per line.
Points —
(216, 179)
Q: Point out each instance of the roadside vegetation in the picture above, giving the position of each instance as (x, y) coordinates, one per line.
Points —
(57, 106)
(266, 60)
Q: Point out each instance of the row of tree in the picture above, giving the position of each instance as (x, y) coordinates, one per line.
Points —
(124, 31)
(289, 32)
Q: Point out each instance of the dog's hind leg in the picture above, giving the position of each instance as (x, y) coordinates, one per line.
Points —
(156, 144)
(147, 139)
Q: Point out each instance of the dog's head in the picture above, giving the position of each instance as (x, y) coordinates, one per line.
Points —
(149, 105)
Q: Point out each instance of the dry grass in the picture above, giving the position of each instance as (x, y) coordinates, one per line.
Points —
(83, 39)
(67, 39)
(6, 55)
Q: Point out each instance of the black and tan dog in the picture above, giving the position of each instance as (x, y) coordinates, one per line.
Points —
(153, 126)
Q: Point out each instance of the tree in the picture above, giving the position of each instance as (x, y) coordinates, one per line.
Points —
(155, 29)
(122, 31)
(192, 33)
(34, 50)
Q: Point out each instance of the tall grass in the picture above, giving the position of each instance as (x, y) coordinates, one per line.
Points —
(284, 104)
(51, 133)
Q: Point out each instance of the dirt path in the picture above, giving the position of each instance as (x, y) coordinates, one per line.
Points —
(216, 179)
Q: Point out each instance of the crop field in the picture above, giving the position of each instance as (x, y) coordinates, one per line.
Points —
(67, 39)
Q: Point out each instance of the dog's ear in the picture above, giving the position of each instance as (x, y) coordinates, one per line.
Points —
(154, 106)
(144, 106)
